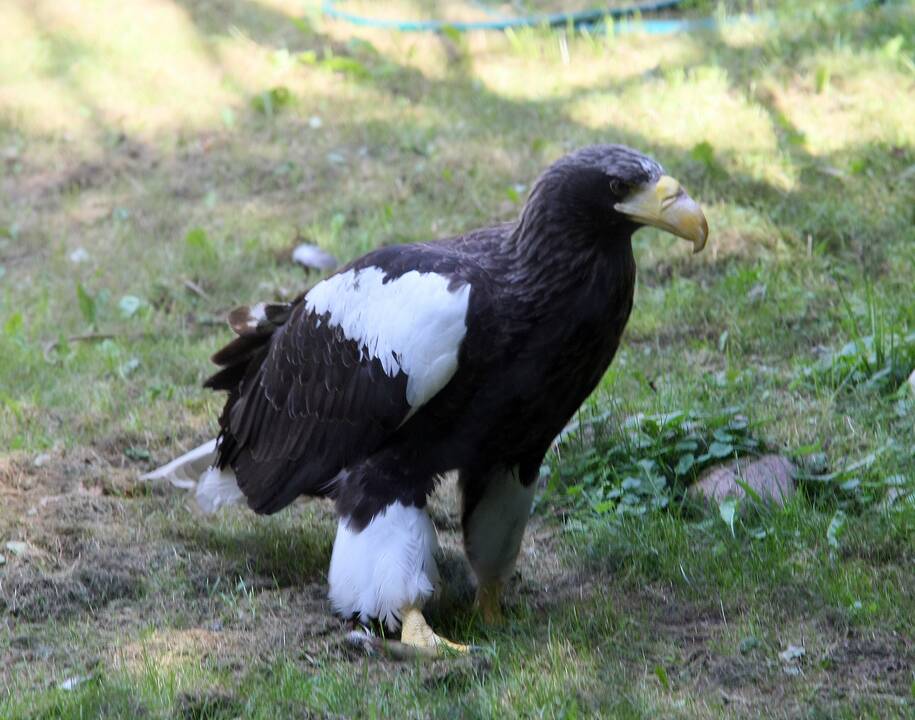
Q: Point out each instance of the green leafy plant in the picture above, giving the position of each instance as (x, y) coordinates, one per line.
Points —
(271, 101)
(856, 484)
(823, 77)
(13, 325)
(703, 152)
(87, 305)
(199, 251)
(647, 461)
(879, 361)
(878, 356)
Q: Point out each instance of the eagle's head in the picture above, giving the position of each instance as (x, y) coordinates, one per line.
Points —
(612, 190)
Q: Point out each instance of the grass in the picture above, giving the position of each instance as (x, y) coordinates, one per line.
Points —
(160, 160)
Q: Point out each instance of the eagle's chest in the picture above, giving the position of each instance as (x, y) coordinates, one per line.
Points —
(584, 342)
(556, 365)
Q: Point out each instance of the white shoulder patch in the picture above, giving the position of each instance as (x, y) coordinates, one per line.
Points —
(412, 323)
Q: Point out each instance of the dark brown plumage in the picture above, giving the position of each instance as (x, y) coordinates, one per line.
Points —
(308, 413)
(470, 354)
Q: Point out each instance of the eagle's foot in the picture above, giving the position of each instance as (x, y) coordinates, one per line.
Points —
(417, 640)
(489, 603)
(416, 633)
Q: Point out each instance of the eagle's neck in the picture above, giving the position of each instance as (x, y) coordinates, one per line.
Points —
(558, 257)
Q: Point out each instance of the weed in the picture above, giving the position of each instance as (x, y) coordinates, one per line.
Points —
(646, 462)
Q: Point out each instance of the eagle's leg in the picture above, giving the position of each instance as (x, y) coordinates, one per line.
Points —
(496, 506)
(386, 570)
(489, 602)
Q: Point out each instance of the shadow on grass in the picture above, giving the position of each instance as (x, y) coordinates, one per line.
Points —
(290, 549)
(519, 125)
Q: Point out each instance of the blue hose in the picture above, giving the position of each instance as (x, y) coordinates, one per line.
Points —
(584, 17)
(654, 26)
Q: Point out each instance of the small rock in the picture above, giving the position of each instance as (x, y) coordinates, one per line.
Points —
(770, 476)
(792, 653)
(2, 560)
(314, 122)
(42, 459)
(313, 257)
(17, 548)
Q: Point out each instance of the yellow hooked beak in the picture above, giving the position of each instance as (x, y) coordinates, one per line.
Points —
(664, 204)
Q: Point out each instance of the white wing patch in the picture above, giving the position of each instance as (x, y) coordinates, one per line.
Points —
(412, 323)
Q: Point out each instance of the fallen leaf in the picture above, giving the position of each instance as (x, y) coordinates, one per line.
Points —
(835, 529)
(78, 256)
(313, 257)
(17, 548)
(728, 509)
(128, 305)
(71, 683)
(792, 653)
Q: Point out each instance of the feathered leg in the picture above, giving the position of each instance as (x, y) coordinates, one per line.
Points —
(497, 505)
(387, 571)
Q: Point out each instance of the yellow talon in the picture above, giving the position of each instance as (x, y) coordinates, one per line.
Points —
(416, 633)
(489, 602)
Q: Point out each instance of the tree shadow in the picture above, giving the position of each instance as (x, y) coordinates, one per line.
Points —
(395, 174)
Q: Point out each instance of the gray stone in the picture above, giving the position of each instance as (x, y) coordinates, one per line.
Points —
(770, 476)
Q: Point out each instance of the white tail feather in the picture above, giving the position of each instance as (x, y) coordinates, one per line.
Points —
(217, 488)
(194, 469)
(183, 472)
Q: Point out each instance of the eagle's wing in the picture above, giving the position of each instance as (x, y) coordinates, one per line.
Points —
(357, 356)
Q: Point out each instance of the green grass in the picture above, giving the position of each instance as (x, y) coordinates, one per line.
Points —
(184, 147)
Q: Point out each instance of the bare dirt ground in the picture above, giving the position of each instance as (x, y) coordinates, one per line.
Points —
(117, 574)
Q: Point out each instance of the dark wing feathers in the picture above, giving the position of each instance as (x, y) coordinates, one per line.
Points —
(303, 401)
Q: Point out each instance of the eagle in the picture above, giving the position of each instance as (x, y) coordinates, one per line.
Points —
(467, 354)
